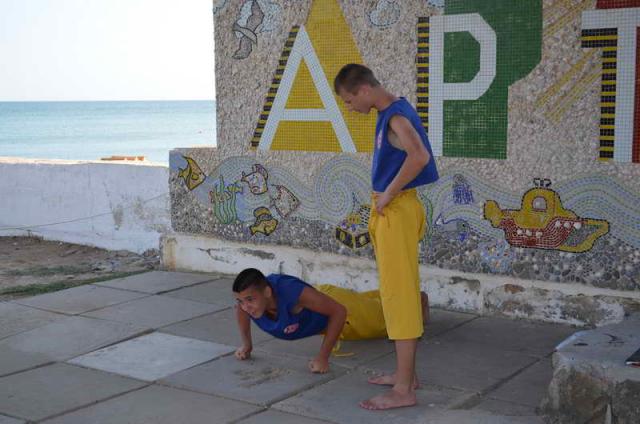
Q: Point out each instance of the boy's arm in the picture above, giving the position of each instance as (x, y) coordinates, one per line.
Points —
(312, 299)
(417, 158)
(244, 325)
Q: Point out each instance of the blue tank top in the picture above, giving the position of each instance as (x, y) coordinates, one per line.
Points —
(287, 325)
(388, 159)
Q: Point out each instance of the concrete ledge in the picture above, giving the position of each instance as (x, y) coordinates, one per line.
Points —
(479, 293)
(591, 383)
(109, 205)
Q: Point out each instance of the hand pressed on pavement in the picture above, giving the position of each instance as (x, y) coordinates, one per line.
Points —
(319, 365)
(243, 353)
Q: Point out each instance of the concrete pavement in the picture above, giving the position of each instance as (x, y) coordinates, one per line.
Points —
(158, 348)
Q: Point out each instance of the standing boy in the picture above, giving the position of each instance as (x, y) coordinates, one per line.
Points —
(402, 160)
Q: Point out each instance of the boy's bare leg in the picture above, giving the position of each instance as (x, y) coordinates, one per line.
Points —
(390, 379)
(402, 393)
(424, 301)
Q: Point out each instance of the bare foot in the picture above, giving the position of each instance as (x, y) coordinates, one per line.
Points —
(424, 301)
(390, 380)
(391, 399)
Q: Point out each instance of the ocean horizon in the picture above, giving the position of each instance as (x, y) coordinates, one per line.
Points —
(91, 130)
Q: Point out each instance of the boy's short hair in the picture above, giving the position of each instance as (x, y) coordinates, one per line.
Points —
(248, 278)
(352, 76)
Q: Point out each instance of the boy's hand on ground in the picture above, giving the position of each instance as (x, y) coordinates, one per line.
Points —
(243, 353)
(319, 365)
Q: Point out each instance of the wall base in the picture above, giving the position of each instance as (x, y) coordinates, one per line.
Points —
(478, 293)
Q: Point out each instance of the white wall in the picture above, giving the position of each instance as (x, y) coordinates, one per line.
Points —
(109, 205)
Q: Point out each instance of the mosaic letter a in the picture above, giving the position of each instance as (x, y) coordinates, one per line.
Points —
(301, 111)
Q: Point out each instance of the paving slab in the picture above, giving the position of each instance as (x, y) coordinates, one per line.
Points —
(152, 356)
(344, 393)
(157, 281)
(217, 292)
(9, 420)
(476, 416)
(219, 327)
(16, 318)
(80, 299)
(160, 405)
(12, 360)
(527, 388)
(271, 416)
(532, 337)
(54, 389)
(263, 379)
(505, 408)
(442, 321)
(154, 311)
(459, 365)
(352, 353)
(70, 337)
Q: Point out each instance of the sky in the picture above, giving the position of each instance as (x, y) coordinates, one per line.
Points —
(62, 50)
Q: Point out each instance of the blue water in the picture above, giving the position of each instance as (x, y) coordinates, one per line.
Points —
(92, 130)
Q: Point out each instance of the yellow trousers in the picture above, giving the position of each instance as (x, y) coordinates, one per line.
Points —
(364, 312)
(395, 237)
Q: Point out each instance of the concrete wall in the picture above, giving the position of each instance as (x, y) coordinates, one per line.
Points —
(109, 205)
(529, 107)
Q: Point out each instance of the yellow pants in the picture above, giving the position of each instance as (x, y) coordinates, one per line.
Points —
(364, 312)
(395, 237)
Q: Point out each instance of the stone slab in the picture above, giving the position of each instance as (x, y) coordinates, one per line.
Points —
(80, 299)
(152, 356)
(344, 393)
(604, 349)
(476, 417)
(160, 405)
(442, 321)
(534, 338)
(16, 318)
(217, 292)
(12, 360)
(505, 408)
(154, 311)
(271, 416)
(527, 388)
(464, 366)
(157, 281)
(219, 327)
(263, 379)
(9, 420)
(352, 353)
(590, 378)
(54, 389)
(70, 337)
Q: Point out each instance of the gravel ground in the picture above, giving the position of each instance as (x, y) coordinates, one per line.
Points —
(28, 261)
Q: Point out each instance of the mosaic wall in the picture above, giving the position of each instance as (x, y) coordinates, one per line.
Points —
(532, 108)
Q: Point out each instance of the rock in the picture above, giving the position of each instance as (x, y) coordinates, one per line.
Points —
(151, 253)
(125, 253)
(591, 382)
(626, 402)
(68, 253)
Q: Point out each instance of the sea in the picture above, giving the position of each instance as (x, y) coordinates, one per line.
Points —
(94, 130)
